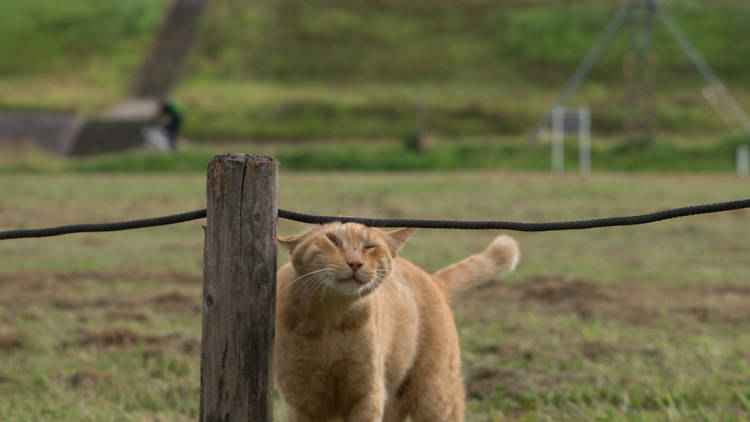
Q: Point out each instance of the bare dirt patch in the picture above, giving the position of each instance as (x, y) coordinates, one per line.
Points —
(11, 341)
(636, 303)
(66, 302)
(36, 279)
(90, 377)
(126, 314)
(176, 302)
(599, 350)
(24, 291)
(121, 337)
(485, 380)
(557, 289)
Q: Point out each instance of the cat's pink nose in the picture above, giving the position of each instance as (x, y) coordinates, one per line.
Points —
(354, 265)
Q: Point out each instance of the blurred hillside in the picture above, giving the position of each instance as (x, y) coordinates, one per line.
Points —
(390, 40)
(336, 68)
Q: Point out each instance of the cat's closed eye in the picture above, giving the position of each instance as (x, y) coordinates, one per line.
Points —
(368, 247)
(335, 240)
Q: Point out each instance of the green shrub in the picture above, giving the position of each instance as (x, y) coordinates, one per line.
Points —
(412, 140)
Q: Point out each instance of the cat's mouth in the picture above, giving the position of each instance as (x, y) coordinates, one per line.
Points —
(354, 286)
(351, 279)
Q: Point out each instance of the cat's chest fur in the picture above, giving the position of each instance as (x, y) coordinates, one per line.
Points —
(332, 363)
(330, 350)
(327, 369)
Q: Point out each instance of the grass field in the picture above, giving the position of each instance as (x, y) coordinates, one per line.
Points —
(501, 153)
(292, 70)
(644, 323)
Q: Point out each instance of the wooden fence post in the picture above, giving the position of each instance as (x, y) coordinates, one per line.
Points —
(239, 289)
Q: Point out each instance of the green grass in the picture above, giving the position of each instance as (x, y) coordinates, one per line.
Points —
(643, 323)
(48, 37)
(418, 41)
(422, 40)
(488, 153)
(289, 70)
(333, 110)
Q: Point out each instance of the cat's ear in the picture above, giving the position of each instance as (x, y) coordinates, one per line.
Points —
(397, 238)
(291, 242)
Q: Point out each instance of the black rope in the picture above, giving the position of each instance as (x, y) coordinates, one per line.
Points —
(525, 227)
(376, 222)
(104, 227)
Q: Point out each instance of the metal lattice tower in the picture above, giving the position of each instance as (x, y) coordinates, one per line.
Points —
(640, 71)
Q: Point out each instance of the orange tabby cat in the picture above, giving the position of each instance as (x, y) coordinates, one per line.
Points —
(362, 335)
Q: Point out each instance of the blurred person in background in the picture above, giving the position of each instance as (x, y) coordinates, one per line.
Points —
(165, 130)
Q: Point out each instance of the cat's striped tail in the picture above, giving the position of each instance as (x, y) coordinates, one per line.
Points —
(500, 257)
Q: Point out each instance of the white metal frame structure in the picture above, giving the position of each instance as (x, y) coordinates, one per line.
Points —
(571, 121)
(743, 160)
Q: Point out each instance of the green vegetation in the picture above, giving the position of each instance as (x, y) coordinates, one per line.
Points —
(74, 55)
(644, 323)
(507, 154)
(333, 69)
(426, 40)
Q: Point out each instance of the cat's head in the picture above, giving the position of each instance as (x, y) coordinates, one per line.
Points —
(348, 258)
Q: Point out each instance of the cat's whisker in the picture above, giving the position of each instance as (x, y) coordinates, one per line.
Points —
(371, 287)
(309, 286)
(310, 297)
(304, 276)
(319, 276)
(309, 273)
(323, 293)
(312, 284)
(304, 284)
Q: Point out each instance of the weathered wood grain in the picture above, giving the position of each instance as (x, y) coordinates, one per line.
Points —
(239, 289)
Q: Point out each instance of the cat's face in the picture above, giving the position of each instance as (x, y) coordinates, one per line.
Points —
(350, 259)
